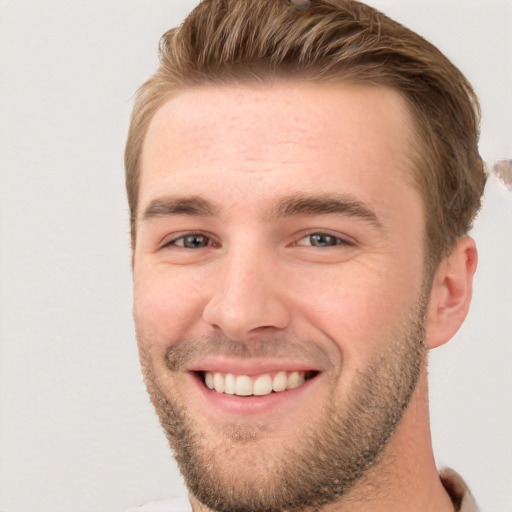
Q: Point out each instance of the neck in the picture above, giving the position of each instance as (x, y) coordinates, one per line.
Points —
(405, 478)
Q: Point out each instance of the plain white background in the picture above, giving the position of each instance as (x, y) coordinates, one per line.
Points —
(77, 432)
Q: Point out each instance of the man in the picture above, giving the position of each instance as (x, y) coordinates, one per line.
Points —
(301, 177)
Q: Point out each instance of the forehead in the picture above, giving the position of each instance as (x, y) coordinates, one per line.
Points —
(285, 135)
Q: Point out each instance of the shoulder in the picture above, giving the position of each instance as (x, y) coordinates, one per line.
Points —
(168, 505)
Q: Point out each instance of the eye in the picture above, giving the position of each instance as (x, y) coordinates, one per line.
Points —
(191, 241)
(322, 240)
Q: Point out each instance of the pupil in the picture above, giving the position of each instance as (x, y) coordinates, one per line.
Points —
(194, 241)
(322, 240)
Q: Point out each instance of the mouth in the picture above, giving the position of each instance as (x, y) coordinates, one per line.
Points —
(255, 385)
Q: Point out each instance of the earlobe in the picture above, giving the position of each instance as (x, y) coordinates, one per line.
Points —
(451, 292)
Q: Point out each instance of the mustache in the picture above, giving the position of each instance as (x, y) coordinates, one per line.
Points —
(180, 355)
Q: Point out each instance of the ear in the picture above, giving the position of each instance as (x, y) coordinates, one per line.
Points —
(451, 292)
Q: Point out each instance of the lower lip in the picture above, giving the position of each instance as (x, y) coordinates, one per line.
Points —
(251, 405)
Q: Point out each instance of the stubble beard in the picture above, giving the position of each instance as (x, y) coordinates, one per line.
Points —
(334, 453)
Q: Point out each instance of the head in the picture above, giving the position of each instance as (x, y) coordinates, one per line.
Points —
(296, 180)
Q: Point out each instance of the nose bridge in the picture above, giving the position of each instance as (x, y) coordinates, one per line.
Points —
(247, 295)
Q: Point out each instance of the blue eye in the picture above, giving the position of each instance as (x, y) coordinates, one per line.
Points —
(324, 240)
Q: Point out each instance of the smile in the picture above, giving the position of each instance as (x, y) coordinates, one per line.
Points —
(257, 385)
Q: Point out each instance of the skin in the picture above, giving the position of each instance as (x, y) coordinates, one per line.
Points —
(256, 281)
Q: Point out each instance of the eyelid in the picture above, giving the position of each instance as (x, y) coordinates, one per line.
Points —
(170, 239)
(345, 240)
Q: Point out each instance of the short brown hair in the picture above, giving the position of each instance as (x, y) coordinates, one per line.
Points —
(225, 41)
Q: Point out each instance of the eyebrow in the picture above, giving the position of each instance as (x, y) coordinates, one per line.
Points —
(290, 206)
(325, 204)
(168, 206)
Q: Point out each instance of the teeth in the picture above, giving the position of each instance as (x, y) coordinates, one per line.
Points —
(218, 383)
(262, 385)
(279, 382)
(295, 380)
(229, 384)
(243, 385)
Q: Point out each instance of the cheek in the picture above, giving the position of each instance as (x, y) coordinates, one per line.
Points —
(359, 307)
(165, 305)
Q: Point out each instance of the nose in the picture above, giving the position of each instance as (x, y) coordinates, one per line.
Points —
(248, 297)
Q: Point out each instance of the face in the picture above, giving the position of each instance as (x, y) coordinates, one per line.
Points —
(278, 287)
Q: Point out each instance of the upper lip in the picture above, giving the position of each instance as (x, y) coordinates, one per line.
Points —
(250, 367)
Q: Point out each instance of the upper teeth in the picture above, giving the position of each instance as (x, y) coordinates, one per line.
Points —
(243, 385)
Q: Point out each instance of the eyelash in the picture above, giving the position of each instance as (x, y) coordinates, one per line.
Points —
(173, 242)
(320, 234)
(338, 241)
